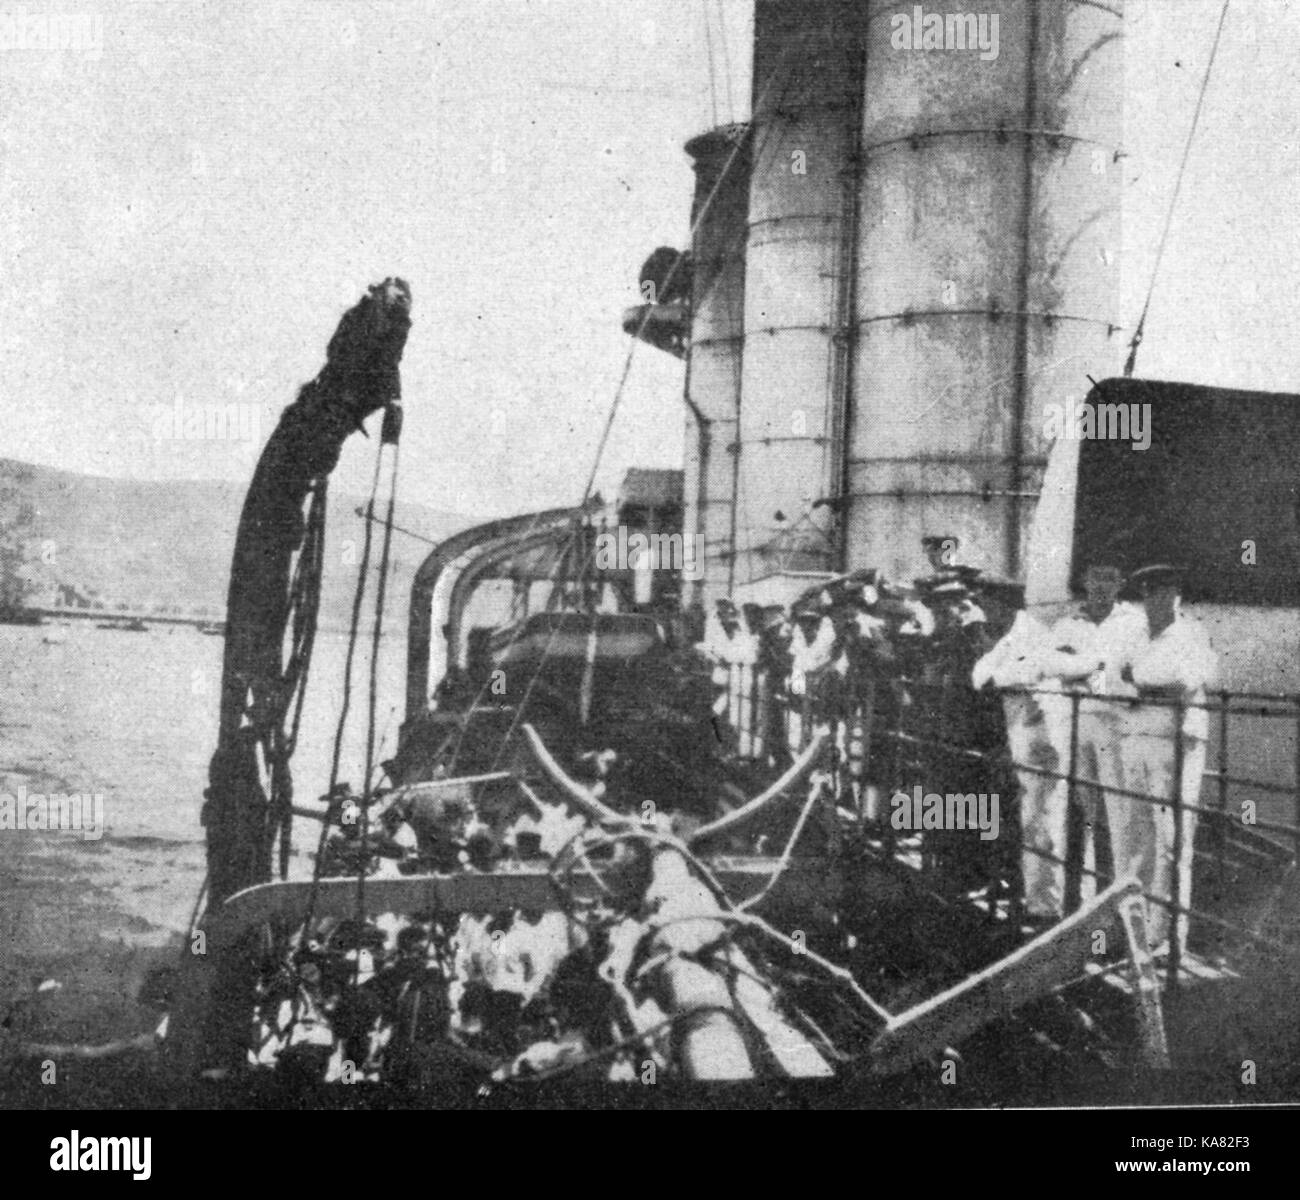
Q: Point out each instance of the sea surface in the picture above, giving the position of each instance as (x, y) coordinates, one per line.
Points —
(133, 717)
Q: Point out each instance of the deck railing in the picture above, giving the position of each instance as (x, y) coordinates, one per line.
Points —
(886, 738)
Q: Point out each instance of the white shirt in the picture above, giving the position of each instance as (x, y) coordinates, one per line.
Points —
(807, 658)
(1016, 660)
(1101, 649)
(1179, 658)
(737, 648)
(1023, 659)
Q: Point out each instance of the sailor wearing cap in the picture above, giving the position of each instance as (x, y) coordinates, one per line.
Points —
(812, 649)
(731, 646)
(1095, 641)
(1037, 728)
(811, 644)
(941, 551)
(1171, 668)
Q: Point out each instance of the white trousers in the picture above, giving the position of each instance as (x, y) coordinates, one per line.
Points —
(1100, 775)
(1043, 806)
(1148, 764)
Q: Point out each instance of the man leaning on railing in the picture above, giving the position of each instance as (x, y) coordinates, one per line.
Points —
(1102, 635)
(1164, 741)
(1037, 730)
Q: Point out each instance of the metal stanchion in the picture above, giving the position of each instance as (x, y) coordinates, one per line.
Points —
(1176, 872)
(1296, 701)
(1073, 825)
(1221, 824)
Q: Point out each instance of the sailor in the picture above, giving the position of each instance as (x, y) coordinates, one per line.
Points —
(951, 726)
(941, 551)
(1100, 636)
(773, 667)
(868, 692)
(1171, 671)
(721, 628)
(812, 650)
(1037, 725)
(812, 642)
(732, 647)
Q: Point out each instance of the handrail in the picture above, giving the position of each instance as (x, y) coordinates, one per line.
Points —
(1220, 698)
(794, 718)
(984, 756)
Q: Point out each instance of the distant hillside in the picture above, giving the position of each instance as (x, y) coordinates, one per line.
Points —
(166, 545)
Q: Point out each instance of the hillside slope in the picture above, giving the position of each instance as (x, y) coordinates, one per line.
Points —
(166, 546)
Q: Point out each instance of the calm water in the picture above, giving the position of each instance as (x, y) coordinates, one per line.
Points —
(133, 716)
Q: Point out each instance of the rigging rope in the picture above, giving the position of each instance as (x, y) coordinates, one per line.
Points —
(727, 167)
(516, 635)
(799, 43)
(391, 436)
(570, 546)
(353, 629)
(1140, 331)
(304, 601)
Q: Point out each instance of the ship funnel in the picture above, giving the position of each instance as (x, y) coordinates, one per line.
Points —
(987, 263)
(713, 381)
(930, 276)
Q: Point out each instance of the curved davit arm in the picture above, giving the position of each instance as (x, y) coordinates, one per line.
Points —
(424, 623)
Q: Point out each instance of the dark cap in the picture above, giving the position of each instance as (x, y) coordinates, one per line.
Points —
(1106, 557)
(1005, 591)
(940, 539)
(1157, 575)
(942, 588)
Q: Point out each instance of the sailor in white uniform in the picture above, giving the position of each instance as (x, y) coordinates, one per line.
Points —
(1174, 666)
(1103, 635)
(1037, 726)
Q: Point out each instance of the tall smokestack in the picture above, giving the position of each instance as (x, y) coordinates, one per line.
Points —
(806, 118)
(988, 273)
(713, 379)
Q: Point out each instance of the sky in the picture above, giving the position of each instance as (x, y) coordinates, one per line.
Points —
(189, 203)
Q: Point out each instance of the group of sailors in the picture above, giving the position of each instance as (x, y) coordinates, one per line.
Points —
(913, 678)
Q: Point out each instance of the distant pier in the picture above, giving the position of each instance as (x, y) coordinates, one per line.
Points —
(105, 614)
